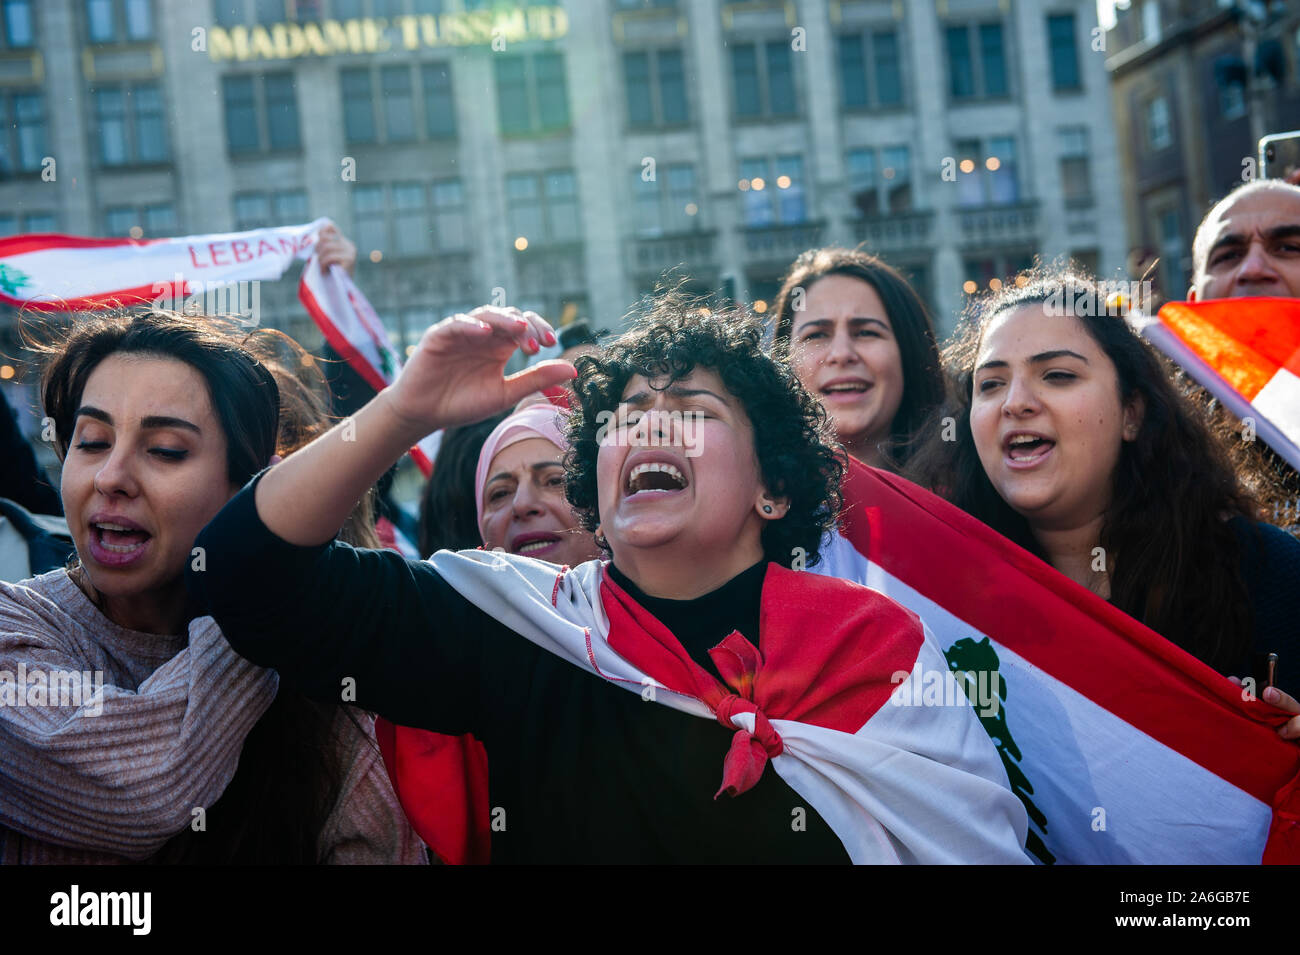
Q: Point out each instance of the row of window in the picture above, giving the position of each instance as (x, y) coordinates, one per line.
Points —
(419, 218)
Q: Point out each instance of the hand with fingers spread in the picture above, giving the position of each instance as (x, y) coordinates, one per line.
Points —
(456, 375)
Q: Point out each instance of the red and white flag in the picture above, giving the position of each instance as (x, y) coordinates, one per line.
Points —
(1123, 747)
(67, 273)
(1245, 352)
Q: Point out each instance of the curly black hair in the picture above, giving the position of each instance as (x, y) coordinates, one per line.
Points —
(798, 456)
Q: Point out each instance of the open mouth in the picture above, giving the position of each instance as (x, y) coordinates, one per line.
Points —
(654, 476)
(533, 545)
(848, 388)
(1027, 449)
(117, 544)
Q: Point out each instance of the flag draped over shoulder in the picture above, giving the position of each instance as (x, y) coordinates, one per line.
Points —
(825, 698)
(67, 273)
(1123, 747)
(1245, 352)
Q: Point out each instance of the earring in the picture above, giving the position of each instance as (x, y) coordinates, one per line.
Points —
(767, 508)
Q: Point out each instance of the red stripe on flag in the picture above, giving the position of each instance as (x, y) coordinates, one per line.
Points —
(1066, 630)
(338, 341)
(43, 241)
(140, 295)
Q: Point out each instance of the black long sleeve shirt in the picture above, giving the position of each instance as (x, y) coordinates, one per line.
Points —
(581, 770)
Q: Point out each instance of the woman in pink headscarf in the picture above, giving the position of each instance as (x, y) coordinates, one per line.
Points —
(442, 781)
(519, 489)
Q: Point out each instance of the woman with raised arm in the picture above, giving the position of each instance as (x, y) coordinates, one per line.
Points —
(140, 735)
(598, 691)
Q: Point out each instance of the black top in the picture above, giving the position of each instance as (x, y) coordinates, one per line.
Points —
(584, 770)
(1270, 568)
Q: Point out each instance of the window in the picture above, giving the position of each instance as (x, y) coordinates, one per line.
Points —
(897, 176)
(399, 104)
(155, 221)
(439, 106)
(880, 182)
(864, 188)
(773, 199)
(411, 227)
(543, 208)
(874, 55)
(11, 224)
(16, 21)
(252, 211)
(358, 106)
(531, 93)
(260, 210)
(1076, 177)
(119, 21)
(369, 219)
(763, 79)
(22, 132)
(1063, 52)
(281, 111)
(396, 104)
(1159, 135)
(241, 113)
(986, 174)
(977, 67)
(451, 221)
(1232, 100)
(410, 218)
(668, 204)
(130, 125)
(656, 88)
(261, 113)
(1172, 250)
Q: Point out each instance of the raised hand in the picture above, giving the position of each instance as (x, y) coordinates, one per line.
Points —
(456, 374)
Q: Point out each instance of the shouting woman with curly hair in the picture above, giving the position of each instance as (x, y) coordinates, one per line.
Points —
(598, 690)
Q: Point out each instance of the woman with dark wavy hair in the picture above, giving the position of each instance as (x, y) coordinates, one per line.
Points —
(163, 745)
(598, 690)
(1068, 436)
(861, 341)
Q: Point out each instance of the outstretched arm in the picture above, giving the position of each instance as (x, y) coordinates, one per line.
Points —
(454, 377)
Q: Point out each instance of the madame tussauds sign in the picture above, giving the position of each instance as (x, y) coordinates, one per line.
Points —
(287, 41)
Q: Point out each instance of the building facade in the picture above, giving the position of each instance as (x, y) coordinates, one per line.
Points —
(1196, 84)
(562, 157)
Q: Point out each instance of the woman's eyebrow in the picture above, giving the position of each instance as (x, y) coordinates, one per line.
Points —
(643, 397)
(148, 422)
(1035, 359)
(167, 421)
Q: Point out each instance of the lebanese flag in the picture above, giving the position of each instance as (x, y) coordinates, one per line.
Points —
(68, 273)
(833, 696)
(1245, 352)
(1123, 747)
